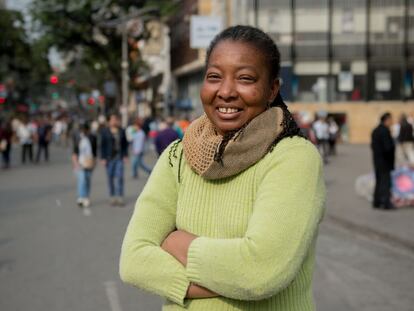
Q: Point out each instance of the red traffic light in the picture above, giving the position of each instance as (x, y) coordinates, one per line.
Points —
(54, 79)
(91, 101)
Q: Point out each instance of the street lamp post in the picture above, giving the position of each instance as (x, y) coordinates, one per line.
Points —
(125, 76)
(122, 23)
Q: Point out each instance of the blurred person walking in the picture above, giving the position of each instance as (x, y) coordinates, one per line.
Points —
(321, 129)
(333, 135)
(44, 135)
(383, 151)
(138, 149)
(166, 135)
(83, 160)
(59, 129)
(406, 140)
(25, 133)
(6, 135)
(114, 152)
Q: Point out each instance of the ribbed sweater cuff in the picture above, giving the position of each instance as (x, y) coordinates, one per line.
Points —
(178, 291)
(193, 261)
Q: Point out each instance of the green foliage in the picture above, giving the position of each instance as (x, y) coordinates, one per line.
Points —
(88, 29)
(21, 60)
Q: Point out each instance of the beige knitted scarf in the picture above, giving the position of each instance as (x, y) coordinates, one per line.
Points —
(251, 143)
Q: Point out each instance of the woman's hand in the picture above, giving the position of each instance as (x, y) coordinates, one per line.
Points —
(177, 244)
(196, 291)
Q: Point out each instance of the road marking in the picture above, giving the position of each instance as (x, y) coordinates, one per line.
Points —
(112, 294)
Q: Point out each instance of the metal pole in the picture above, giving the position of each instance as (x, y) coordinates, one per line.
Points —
(125, 78)
(405, 48)
(256, 13)
(367, 48)
(330, 52)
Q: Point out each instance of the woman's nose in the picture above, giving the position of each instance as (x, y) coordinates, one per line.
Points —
(227, 90)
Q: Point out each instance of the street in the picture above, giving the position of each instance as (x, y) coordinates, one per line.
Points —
(55, 257)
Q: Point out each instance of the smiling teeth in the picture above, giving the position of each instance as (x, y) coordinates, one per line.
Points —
(227, 110)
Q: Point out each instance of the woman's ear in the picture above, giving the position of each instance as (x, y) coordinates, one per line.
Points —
(274, 89)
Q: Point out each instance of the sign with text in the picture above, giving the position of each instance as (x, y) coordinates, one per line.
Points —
(203, 29)
(345, 81)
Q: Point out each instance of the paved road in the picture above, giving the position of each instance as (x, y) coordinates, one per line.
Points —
(53, 257)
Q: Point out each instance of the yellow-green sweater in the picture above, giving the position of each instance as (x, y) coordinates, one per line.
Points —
(257, 232)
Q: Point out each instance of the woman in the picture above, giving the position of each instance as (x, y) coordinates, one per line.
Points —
(83, 159)
(229, 216)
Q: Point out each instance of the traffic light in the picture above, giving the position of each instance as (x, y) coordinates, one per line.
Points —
(54, 79)
(91, 101)
(3, 94)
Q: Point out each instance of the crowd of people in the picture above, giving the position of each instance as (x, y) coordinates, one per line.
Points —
(95, 141)
(323, 131)
(114, 145)
(33, 135)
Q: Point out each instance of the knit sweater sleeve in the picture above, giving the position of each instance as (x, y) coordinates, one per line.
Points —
(143, 263)
(286, 213)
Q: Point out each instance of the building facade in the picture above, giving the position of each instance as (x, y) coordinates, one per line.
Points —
(351, 58)
(339, 50)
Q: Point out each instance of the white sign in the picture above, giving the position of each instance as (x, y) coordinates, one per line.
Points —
(345, 81)
(383, 81)
(348, 21)
(203, 29)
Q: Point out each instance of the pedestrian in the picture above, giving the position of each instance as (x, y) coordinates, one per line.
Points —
(114, 152)
(44, 136)
(6, 135)
(383, 151)
(333, 135)
(138, 149)
(321, 130)
(58, 131)
(83, 160)
(25, 133)
(129, 131)
(166, 135)
(230, 214)
(406, 140)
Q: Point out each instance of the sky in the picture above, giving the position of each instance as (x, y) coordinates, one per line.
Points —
(18, 4)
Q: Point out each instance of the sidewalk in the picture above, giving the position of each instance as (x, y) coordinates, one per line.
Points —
(346, 208)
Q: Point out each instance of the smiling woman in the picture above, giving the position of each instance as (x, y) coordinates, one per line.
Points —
(229, 217)
(237, 85)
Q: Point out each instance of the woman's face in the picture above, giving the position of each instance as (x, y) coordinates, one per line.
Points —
(236, 86)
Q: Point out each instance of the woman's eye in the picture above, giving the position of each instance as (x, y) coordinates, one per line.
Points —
(247, 79)
(213, 77)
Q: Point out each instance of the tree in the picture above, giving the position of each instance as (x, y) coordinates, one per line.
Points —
(87, 29)
(23, 62)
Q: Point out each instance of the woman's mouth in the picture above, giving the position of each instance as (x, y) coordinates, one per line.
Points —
(228, 110)
(226, 113)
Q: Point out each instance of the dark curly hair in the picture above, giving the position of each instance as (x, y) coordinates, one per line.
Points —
(255, 37)
(261, 41)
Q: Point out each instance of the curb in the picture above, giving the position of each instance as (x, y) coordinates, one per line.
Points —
(373, 233)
